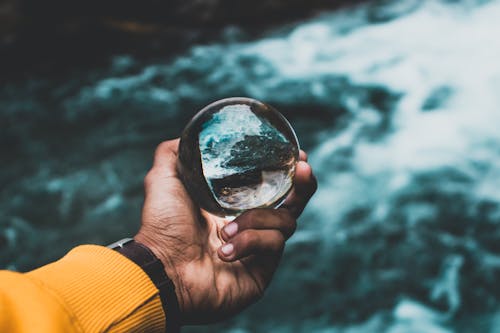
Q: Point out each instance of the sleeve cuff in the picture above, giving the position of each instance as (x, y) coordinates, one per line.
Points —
(104, 290)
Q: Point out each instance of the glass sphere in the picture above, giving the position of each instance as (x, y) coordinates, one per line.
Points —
(237, 154)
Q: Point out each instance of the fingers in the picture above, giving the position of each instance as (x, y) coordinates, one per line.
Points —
(261, 231)
(305, 185)
(260, 219)
(256, 232)
(252, 242)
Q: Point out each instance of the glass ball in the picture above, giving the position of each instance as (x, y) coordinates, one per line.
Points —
(237, 154)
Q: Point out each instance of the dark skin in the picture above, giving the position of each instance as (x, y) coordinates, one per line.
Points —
(218, 267)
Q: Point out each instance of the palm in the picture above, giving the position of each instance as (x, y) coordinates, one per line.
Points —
(192, 237)
(210, 283)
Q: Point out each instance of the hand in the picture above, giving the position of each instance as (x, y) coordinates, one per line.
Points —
(218, 267)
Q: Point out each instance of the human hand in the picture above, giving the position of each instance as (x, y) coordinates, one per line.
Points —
(218, 267)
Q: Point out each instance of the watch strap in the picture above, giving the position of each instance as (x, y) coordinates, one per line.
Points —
(153, 267)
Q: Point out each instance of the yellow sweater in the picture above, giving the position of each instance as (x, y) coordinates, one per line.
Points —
(91, 289)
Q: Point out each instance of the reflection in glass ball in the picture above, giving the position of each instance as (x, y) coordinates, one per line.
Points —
(237, 154)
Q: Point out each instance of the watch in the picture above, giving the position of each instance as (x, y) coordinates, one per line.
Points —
(153, 267)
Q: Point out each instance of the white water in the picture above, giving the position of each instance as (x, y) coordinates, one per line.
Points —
(401, 236)
(443, 60)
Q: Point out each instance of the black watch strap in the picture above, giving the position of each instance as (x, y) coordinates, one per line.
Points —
(145, 258)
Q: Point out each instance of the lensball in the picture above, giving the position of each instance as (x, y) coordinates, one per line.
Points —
(237, 154)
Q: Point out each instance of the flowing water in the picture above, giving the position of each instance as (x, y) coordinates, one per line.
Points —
(398, 106)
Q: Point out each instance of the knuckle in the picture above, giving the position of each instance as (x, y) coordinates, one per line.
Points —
(292, 227)
(166, 148)
(258, 213)
(288, 221)
(276, 213)
(161, 148)
(263, 217)
(251, 217)
(285, 215)
(278, 244)
(244, 220)
(169, 146)
(151, 177)
(248, 238)
(148, 179)
(269, 214)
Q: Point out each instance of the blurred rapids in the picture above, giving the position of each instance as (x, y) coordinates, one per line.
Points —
(398, 106)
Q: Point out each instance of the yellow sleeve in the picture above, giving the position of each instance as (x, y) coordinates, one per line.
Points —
(91, 289)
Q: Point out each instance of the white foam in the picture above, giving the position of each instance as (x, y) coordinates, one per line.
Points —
(438, 45)
(226, 128)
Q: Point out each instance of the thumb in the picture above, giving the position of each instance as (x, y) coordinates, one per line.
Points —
(164, 165)
(162, 185)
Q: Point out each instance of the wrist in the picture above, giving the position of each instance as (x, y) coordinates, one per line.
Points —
(171, 269)
(150, 264)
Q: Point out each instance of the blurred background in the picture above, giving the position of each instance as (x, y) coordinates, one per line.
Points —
(396, 102)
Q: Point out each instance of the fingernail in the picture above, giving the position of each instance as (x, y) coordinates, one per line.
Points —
(231, 229)
(227, 249)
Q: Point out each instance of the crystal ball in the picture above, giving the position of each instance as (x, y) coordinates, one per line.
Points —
(237, 154)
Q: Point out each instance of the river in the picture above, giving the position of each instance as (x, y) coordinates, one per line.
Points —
(398, 106)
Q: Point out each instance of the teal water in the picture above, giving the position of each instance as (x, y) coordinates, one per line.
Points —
(397, 105)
